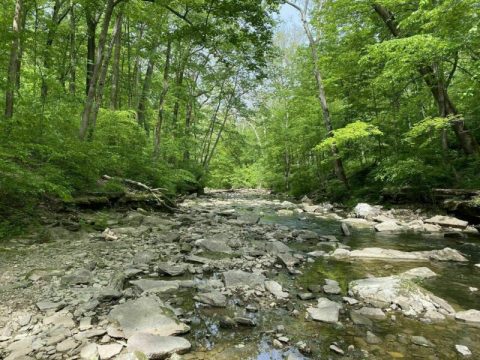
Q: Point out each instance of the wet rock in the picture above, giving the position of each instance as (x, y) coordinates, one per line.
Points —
(326, 311)
(469, 316)
(332, 287)
(109, 351)
(463, 350)
(345, 229)
(372, 338)
(447, 221)
(146, 315)
(369, 312)
(366, 211)
(389, 226)
(306, 296)
(446, 254)
(244, 321)
(421, 341)
(227, 322)
(171, 269)
(359, 319)
(276, 289)
(239, 278)
(214, 298)
(336, 349)
(157, 347)
(401, 290)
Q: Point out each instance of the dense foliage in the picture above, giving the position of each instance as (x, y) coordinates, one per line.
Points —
(398, 89)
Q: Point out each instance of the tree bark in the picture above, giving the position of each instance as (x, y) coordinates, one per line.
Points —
(142, 102)
(438, 88)
(13, 75)
(160, 120)
(100, 55)
(116, 64)
(337, 161)
(73, 50)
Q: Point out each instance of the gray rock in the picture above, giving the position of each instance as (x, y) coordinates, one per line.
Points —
(157, 286)
(365, 211)
(325, 311)
(421, 341)
(239, 278)
(214, 298)
(171, 269)
(372, 338)
(244, 321)
(79, 277)
(332, 287)
(157, 347)
(447, 221)
(214, 246)
(277, 247)
(370, 312)
(359, 319)
(197, 260)
(463, 350)
(276, 289)
(89, 352)
(144, 258)
(388, 226)
(109, 351)
(49, 305)
(446, 254)
(66, 345)
(146, 315)
(306, 296)
(469, 316)
(336, 349)
(345, 229)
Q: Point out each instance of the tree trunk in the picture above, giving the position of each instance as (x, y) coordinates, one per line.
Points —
(439, 90)
(116, 64)
(142, 102)
(73, 50)
(158, 127)
(101, 81)
(338, 164)
(92, 89)
(92, 22)
(12, 75)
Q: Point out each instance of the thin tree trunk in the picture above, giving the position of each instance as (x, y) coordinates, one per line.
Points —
(439, 90)
(116, 64)
(73, 50)
(103, 75)
(338, 164)
(12, 75)
(160, 120)
(142, 102)
(92, 90)
(92, 23)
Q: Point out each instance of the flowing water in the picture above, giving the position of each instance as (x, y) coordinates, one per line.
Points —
(452, 284)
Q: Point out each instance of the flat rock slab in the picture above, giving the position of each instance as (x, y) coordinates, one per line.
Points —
(109, 351)
(213, 298)
(469, 316)
(447, 221)
(239, 278)
(402, 291)
(171, 269)
(446, 254)
(158, 286)
(276, 289)
(389, 226)
(326, 311)
(214, 246)
(146, 315)
(157, 347)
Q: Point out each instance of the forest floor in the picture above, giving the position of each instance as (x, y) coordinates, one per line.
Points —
(242, 275)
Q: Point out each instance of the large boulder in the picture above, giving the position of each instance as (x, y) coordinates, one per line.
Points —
(402, 291)
(147, 315)
(469, 316)
(366, 211)
(446, 254)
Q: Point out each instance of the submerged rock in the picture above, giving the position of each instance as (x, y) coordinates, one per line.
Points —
(146, 315)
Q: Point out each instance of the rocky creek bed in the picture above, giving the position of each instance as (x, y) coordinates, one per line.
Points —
(243, 276)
